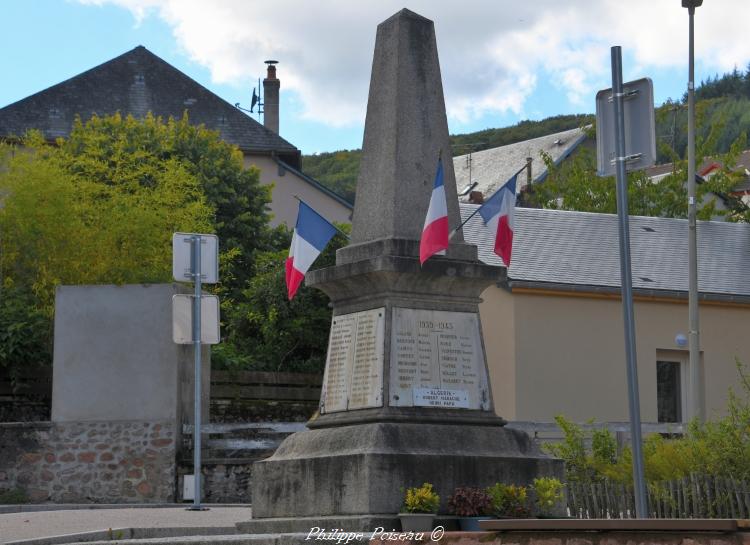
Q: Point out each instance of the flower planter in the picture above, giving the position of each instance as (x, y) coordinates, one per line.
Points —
(416, 522)
(471, 524)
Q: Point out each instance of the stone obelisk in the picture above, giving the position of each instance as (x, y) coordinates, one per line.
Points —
(406, 397)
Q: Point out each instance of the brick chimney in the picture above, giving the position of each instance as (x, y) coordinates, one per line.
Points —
(271, 98)
(476, 197)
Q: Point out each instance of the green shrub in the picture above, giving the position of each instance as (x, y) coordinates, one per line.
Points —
(720, 447)
(509, 500)
(548, 492)
(421, 499)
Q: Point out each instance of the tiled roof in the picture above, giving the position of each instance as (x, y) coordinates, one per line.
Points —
(491, 168)
(135, 83)
(743, 165)
(556, 247)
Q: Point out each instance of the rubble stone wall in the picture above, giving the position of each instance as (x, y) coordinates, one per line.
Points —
(89, 462)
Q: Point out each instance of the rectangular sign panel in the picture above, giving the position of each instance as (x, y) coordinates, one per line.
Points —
(354, 365)
(435, 397)
(640, 131)
(182, 319)
(439, 351)
(181, 257)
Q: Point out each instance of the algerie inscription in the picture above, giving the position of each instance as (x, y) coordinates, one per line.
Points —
(439, 351)
(354, 365)
(434, 397)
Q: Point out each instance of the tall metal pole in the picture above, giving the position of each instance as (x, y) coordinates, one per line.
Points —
(694, 335)
(627, 286)
(528, 171)
(196, 270)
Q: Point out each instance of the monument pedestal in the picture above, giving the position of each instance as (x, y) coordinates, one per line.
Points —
(353, 475)
(350, 470)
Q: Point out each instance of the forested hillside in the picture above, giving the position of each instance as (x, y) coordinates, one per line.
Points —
(722, 101)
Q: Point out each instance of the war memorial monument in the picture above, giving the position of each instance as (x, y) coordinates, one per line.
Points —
(406, 397)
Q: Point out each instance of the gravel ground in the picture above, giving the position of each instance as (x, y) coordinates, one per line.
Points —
(29, 525)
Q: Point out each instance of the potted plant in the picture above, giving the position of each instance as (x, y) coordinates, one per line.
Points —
(419, 510)
(472, 505)
(548, 495)
(509, 501)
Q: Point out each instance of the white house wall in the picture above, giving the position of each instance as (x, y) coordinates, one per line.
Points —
(284, 205)
(566, 355)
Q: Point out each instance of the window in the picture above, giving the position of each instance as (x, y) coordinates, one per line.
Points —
(669, 393)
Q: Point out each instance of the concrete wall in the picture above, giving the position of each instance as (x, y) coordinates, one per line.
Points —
(81, 462)
(114, 358)
(284, 206)
(567, 353)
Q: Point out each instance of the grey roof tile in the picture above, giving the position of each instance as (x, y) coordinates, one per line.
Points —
(582, 249)
(135, 83)
(491, 168)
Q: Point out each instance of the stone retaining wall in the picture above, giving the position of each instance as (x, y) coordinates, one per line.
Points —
(97, 462)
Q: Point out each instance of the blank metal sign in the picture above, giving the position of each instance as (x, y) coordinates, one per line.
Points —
(182, 319)
(181, 258)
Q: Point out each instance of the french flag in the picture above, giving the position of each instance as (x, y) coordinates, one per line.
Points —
(497, 214)
(311, 234)
(435, 233)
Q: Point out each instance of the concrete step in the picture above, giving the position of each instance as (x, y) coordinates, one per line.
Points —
(247, 441)
(268, 427)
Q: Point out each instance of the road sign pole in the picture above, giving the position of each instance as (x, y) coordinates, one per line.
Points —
(196, 273)
(188, 253)
(627, 284)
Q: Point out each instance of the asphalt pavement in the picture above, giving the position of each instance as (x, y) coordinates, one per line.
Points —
(43, 524)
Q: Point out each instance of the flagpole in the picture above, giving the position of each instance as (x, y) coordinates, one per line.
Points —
(316, 213)
(477, 210)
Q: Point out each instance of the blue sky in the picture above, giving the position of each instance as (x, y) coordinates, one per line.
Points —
(501, 61)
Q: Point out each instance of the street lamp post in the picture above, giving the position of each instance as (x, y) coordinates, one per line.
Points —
(694, 405)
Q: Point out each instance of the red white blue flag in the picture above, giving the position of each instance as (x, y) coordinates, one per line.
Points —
(311, 234)
(435, 233)
(497, 214)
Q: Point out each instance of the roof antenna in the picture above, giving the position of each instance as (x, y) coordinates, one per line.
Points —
(257, 100)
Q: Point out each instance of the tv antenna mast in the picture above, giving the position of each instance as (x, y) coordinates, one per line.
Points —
(257, 99)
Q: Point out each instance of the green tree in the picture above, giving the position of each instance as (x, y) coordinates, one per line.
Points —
(116, 151)
(575, 185)
(337, 170)
(267, 332)
(101, 206)
(65, 225)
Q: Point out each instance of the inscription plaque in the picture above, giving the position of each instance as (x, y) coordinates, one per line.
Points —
(354, 364)
(432, 397)
(437, 350)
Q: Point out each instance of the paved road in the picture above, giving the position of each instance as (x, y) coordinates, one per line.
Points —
(17, 526)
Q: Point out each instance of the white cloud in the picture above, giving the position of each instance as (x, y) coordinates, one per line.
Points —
(493, 53)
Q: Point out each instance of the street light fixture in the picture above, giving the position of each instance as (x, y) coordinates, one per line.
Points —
(694, 398)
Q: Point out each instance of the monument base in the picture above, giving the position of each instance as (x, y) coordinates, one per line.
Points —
(357, 474)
